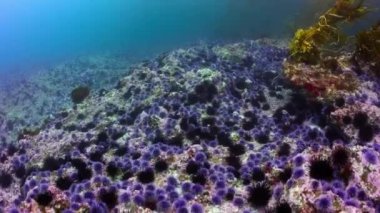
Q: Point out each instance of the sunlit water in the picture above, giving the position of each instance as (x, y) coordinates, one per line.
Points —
(34, 34)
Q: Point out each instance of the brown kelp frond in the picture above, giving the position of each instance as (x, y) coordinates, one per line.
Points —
(367, 49)
(307, 43)
(368, 44)
(315, 62)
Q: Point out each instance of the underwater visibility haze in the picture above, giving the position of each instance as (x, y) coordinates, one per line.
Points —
(38, 32)
(190, 106)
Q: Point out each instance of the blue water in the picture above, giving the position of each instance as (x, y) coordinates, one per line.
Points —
(34, 33)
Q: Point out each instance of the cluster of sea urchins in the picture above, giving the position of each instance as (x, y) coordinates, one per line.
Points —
(194, 130)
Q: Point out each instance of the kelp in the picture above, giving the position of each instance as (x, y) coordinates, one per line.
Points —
(317, 62)
(368, 44)
(309, 44)
(368, 49)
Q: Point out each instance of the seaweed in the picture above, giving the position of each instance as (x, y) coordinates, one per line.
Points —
(317, 61)
(367, 50)
(309, 44)
(368, 44)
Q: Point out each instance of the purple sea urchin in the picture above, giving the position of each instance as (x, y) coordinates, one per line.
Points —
(175, 145)
(196, 208)
(370, 157)
(323, 203)
(298, 160)
(298, 173)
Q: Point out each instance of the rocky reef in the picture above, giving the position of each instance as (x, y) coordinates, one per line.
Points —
(27, 101)
(207, 129)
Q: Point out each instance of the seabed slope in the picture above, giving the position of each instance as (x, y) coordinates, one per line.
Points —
(206, 129)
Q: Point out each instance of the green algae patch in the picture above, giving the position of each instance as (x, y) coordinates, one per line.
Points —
(208, 74)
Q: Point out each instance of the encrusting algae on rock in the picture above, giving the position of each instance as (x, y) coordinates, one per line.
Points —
(224, 139)
(317, 61)
(243, 127)
(320, 81)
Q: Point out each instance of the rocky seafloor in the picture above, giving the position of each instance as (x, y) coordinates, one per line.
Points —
(27, 101)
(206, 129)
